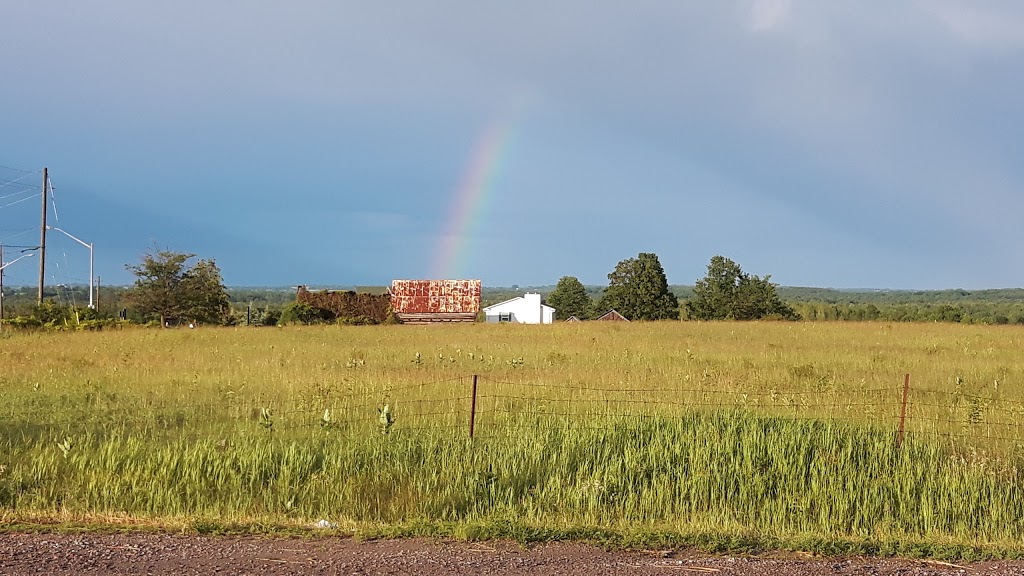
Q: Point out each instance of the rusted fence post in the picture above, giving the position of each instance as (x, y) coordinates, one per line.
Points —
(472, 409)
(903, 409)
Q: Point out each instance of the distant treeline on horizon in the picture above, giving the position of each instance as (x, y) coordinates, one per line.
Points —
(794, 294)
(991, 306)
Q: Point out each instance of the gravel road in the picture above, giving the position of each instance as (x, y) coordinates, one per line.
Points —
(183, 554)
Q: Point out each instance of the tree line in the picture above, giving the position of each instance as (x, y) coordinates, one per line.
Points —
(176, 288)
(638, 289)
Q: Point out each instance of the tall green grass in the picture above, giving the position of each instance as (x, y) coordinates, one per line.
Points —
(728, 471)
(770, 433)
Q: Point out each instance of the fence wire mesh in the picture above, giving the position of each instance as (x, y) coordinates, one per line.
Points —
(502, 406)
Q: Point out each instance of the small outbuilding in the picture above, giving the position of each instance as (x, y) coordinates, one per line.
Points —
(525, 309)
(612, 316)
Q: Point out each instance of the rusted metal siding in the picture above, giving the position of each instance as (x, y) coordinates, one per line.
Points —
(418, 297)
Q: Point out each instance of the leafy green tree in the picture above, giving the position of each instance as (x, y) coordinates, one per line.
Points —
(206, 298)
(638, 289)
(167, 288)
(570, 298)
(728, 293)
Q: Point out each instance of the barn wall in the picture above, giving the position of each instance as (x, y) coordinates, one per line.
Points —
(436, 296)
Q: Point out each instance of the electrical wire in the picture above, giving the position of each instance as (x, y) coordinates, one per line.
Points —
(20, 201)
(19, 234)
(27, 190)
(17, 180)
(20, 170)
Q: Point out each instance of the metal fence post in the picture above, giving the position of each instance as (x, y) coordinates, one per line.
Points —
(472, 409)
(903, 409)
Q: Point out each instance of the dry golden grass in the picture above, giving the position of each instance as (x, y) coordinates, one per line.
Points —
(968, 375)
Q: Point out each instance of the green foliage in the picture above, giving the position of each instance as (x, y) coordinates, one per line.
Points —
(254, 315)
(167, 289)
(570, 298)
(205, 297)
(51, 315)
(966, 312)
(348, 307)
(728, 293)
(270, 317)
(302, 313)
(638, 289)
(357, 321)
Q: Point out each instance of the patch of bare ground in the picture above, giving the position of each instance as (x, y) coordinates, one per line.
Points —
(186, 554)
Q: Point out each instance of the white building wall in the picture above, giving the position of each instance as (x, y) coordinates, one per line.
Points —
(547, 315)
(526, 309)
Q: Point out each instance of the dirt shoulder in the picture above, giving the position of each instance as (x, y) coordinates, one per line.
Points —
(185, 554)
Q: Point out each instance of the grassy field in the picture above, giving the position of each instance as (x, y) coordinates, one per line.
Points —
(720, 435)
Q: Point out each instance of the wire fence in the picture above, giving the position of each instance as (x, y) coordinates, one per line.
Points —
(482, 405)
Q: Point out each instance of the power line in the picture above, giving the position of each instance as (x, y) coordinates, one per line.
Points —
(19, 234)
(22, 200)
(15, 183)
(27, 190)
(19, 170)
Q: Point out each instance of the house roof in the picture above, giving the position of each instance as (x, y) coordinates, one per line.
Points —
(502, 303)
(572, 319)
(612, 316)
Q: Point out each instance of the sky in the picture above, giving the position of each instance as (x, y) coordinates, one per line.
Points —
(845, 144)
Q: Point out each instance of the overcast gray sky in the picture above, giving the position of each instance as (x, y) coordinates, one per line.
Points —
(843, 144)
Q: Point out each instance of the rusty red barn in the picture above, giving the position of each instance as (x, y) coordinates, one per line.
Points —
(426, 301)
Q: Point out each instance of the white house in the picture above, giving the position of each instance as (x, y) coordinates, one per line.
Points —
(525, 309)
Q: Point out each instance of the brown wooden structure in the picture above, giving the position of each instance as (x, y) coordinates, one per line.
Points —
(348, 305)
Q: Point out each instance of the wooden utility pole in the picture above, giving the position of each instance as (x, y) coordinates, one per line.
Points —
(42, 241)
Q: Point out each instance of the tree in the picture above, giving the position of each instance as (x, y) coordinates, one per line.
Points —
(638, 289)
(570, 298)
(728, 293)
(206, 298)
(166, 288)
(303, 313)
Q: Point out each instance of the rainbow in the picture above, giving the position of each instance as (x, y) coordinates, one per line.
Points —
(470, 201)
